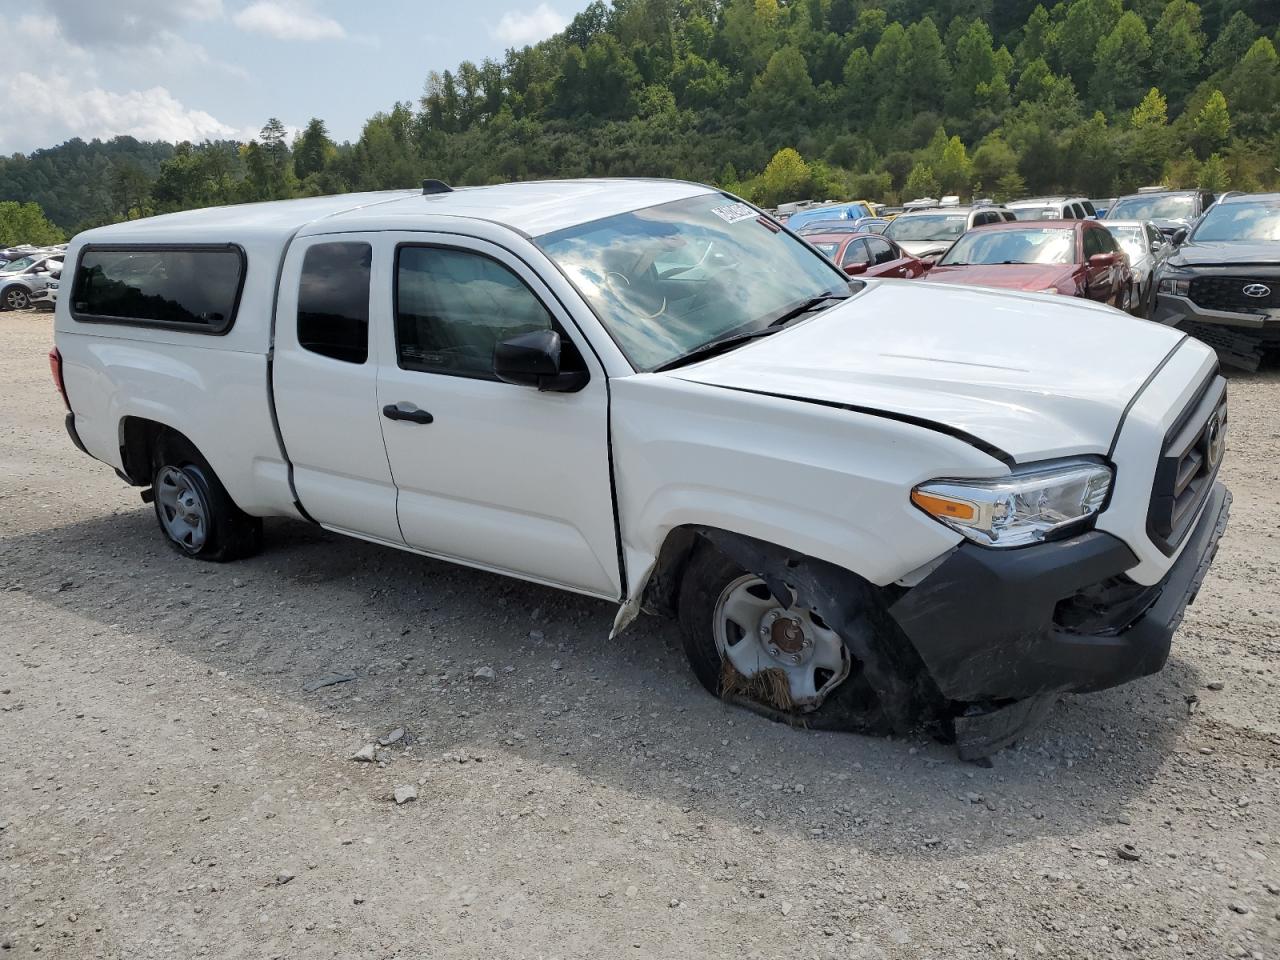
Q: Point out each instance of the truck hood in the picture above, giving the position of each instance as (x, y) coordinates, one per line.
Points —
(1034, 375)
(1009, 276)
(1221, 254)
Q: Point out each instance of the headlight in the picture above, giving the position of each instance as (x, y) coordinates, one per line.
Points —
(1179, 288)
(1047, 290)
(1022, 508)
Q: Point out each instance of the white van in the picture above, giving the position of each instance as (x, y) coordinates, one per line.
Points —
(867, 502)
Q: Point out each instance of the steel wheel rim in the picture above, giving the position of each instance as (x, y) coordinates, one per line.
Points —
(745, 628)
(183, 510)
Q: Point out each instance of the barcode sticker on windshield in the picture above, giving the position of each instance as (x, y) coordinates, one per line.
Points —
(733, 212)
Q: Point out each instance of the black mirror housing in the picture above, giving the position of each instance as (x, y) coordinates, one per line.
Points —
(533, 360)
(1179, 236)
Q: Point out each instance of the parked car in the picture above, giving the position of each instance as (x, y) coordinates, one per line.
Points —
(854, 210)
(1223, 283)
(926, 233)
(860, 499)
(861, 225)
(1147, 249)
(47, 298)
(1076, 258)
(25, 277)
(1173, 211)
(1052, 208)
(867, 254)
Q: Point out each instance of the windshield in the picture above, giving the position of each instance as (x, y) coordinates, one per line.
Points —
(1133, 240)
(1035, 213)
(927, 226)
(13, 266)
(1240, 222)
(668, 279)
(1029, 245)
(1160, 207)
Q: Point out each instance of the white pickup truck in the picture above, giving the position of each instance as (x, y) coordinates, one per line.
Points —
(867, 503)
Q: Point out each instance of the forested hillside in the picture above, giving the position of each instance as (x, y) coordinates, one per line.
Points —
(883, 99)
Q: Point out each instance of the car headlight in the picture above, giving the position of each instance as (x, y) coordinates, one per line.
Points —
(1175, 286)
(1047, 290)
(1024, 507)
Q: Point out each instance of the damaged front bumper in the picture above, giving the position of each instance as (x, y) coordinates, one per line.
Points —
(1002, 625)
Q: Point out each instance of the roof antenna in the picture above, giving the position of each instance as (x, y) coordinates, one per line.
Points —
(435, 186)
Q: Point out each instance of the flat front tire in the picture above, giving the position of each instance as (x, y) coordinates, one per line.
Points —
(742, 644)
(196, 514)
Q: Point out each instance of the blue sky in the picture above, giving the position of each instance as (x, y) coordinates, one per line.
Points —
(196, 69)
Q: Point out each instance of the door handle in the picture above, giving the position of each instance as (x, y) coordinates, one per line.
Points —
(406, 411)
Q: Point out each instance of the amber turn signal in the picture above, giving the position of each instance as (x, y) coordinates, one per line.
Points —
(944, 508)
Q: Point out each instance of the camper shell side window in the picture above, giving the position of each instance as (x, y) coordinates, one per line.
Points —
(192, 287)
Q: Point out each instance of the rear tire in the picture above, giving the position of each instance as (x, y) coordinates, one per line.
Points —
(721, 663)
(196, 514)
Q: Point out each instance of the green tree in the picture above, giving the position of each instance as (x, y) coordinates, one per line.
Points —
(1253, 87)
(954, 170)
(312, 149)
(1150, 142)
(784, 89)
(1086, 24)
(1233, 42)
(923, 71)
(1211, 129)
(1177, 47)
(26, 223)
(1213, 175)
(921, 183)
(993, 161)
(787, 177)
(1121, 63)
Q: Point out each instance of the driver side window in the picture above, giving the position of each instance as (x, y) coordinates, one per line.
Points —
(454, 306)
(856, 252)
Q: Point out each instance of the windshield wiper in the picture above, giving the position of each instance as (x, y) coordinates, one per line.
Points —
(713, 347)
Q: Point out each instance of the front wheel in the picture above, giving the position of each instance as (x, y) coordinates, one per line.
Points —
(786, 662)
(194, 510)
(16, 298)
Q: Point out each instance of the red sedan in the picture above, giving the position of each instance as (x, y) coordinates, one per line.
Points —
(1076, 258)
(867, 254)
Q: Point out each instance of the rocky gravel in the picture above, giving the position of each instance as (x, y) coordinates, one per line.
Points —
(340, 750)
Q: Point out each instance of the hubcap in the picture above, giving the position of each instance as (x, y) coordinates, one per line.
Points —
(182, 508)
(754, 633)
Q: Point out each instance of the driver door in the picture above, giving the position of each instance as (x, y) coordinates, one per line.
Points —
(492, 474)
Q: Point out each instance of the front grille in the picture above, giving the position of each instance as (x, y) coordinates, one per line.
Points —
(1188, 466)
(1227, 293)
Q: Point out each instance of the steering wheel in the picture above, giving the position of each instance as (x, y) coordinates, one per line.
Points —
(626, 283)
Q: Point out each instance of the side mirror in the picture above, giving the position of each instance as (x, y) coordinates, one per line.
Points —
(1179, 236)
(533, 360)
(927, 265)
(1103, 260)
(853, 269)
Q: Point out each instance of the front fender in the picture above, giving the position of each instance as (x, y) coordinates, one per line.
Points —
(828, 483)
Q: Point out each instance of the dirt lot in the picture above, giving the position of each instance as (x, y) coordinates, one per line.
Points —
(171, 786)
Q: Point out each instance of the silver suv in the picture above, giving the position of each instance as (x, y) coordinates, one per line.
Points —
(929, 233)
(24, 279)
(1053, 208)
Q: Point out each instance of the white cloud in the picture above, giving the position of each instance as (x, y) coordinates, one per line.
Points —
(67, 109)
(288, 20)
(57, 97)
(518, 28)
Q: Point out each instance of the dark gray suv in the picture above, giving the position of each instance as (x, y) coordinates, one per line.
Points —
(1223, 284)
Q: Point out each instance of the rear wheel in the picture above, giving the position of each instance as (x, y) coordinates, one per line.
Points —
(787, 662)
(196, 514)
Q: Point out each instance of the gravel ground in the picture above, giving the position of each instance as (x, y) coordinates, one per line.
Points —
(172, 785)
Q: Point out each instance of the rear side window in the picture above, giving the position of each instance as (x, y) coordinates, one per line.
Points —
(188, 288)
(333, 301)
(453, 307)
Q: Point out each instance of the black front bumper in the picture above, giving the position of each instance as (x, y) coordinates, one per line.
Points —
(1055, 617)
